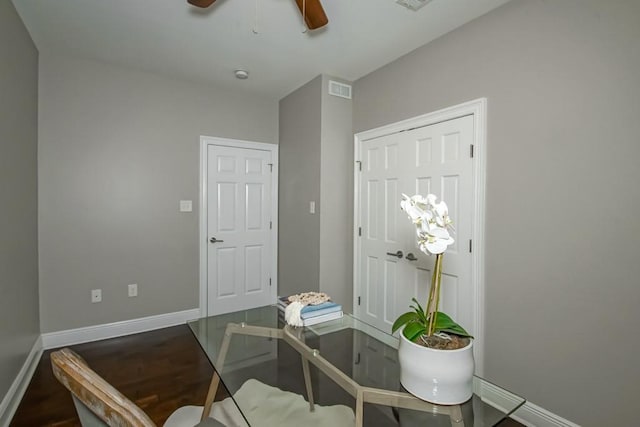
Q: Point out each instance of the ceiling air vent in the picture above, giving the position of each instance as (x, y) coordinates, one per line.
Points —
(413, 4)
(339, 89)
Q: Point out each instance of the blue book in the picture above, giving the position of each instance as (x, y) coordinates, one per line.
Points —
(320, 312)
(324, 306)
(283, 302)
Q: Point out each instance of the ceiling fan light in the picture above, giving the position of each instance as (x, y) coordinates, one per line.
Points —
(241, 74)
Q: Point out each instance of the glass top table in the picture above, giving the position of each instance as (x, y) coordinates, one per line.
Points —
(344, 372)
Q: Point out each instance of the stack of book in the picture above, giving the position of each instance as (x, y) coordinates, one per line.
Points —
(314, 314)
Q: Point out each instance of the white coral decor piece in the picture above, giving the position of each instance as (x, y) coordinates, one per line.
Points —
(431, 218)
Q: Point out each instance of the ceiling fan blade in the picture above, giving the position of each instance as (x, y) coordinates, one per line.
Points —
(201, 3)
(314, 15)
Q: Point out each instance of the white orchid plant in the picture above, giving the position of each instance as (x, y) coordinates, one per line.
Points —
(433, 228)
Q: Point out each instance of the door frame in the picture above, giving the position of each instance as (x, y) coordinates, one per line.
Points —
(477, 108)
(205, 142)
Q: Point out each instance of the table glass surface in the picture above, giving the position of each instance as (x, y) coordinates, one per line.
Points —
(361, 352)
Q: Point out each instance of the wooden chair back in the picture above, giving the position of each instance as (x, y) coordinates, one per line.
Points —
(95, 394)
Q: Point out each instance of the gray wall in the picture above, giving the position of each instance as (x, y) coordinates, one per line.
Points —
(118, 149)
(299, 183)
(316, 164)
(19, 321)
(336, 197)
(562, 227)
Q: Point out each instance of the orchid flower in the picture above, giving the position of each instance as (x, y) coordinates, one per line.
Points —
(414, 208)
(432, 222)
(435, 241)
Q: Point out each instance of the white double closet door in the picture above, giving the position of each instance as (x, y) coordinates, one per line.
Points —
(432, 159)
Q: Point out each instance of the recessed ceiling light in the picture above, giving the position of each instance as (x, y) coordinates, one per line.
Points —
(241, 74)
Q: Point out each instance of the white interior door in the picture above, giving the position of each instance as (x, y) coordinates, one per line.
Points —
(430, 159)
(384, 272)
(239, 229)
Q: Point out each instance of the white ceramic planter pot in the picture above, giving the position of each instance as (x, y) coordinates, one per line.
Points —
(438, 376)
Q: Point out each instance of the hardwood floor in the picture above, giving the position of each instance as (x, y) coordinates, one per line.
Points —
(159, 370)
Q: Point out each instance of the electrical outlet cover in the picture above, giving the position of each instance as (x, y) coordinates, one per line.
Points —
(96, 295)
(186, 206)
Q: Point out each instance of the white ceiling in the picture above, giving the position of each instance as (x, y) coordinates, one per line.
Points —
(173, 38)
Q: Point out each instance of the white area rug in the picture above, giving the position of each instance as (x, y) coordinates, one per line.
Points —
(266, 406)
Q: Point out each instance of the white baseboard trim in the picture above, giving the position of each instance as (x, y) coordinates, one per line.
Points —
(12, 399)
(117, 329)
(532, 415)
(529, 414)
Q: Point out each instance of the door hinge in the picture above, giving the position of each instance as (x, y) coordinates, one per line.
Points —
(359, 165)
(358, 300)
(360, 231)
(357, 362)
(270, 167)
(471, 150)
(470, 245)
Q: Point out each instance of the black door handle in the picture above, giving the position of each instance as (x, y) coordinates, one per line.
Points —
(411, 257)
(397, 254)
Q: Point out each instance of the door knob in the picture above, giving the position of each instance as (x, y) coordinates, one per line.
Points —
(214, 240)
(397, 254)
(411, 257)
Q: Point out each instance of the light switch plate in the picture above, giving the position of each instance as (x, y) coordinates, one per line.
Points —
(133, 290)
(312, 207)
(186, 206)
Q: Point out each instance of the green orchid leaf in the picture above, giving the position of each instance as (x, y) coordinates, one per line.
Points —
(444, 323)
(405, 318)
(444, 318)
(420, 311)
(421, 316)
(413, 330)
(418, 304)
(416, 323)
